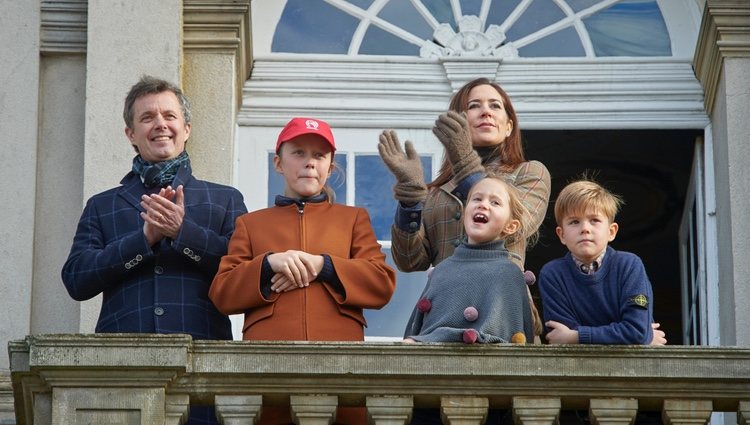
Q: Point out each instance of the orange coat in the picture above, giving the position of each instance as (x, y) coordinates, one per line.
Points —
(316, 312)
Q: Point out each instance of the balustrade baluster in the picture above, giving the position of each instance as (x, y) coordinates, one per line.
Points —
(612, 411)
(238, 409)
(390, 410)
(686, 412)
(313, 409)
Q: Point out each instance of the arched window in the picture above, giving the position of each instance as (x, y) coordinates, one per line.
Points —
(499, 28)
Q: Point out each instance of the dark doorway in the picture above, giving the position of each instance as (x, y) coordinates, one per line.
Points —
(651, 170)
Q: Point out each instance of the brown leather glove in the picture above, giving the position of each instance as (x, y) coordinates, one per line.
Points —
(410, 187)
(452, 130)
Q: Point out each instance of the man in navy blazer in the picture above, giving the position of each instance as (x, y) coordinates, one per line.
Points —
(153, 244)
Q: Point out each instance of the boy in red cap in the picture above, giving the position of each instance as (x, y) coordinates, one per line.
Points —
(305, 268)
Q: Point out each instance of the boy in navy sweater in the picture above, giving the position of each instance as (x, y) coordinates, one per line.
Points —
(595, 294)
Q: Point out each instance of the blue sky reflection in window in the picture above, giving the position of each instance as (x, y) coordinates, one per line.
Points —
(494, 28)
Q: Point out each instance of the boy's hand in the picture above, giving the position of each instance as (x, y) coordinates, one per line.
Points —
(560, 334)
(660, 338)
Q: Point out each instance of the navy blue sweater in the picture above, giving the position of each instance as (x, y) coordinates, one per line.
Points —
(612, 306)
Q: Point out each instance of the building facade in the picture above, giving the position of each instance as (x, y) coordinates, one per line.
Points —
(653, 96)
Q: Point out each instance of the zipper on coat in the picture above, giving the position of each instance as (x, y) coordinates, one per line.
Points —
(303, 247)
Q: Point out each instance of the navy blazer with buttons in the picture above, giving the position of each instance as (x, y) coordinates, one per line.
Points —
(159, 289)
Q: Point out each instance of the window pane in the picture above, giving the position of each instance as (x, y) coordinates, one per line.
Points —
(441, 11)
(373, 191)
(563, 43)
(579, 5)
(337, 181)
(471, 7)
(499, 11)
(630, 28)
(313, 26)
(405, 16)
(540, 14)
(379, 42)
(275, 181)
(363, 4)
(390, 321)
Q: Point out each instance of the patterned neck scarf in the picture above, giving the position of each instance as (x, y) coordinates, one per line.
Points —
(488, 153)
(159, 174)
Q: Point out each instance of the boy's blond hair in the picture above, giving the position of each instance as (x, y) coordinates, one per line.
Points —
(518, 211)
(583, 195)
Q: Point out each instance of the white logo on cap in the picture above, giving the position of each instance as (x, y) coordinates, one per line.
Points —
(312, 124)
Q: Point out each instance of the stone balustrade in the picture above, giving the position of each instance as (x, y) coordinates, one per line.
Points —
(152, 379)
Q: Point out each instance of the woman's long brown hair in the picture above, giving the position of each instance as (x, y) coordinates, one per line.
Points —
(510, 151)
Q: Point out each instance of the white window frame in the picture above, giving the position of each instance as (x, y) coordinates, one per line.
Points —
(361, 95)
(697, 234)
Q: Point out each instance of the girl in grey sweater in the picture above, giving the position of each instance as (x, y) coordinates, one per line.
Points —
(478, 294)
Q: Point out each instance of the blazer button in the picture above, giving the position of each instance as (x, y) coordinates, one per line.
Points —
(159, 311)
(457, 215)
(187, 251)
(413, 226)
(158, 270)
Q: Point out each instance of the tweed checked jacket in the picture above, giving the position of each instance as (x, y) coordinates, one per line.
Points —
(442, 230)
(159, 289)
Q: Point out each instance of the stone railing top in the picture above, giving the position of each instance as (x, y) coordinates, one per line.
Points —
(352, 371)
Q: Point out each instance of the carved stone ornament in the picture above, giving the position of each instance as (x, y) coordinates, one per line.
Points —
(470, 41)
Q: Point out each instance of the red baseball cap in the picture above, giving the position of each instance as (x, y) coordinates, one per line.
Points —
(299, 126)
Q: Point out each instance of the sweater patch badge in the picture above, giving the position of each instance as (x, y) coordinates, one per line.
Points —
(639, 300)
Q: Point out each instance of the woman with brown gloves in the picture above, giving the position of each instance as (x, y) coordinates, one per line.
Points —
(480, 133)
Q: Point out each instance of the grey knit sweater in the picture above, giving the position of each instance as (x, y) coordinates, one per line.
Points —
(479, 288)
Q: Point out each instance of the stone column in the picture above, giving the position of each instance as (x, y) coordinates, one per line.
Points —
(217, 63)
(536, 411)
(319, 409)
(126, 40)
(686, 412)
(60, 165)
(612, 411)
(743, 413)
(464, 410)
(389, 410)
(238, 409)
(19, 103)
(721, 61)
